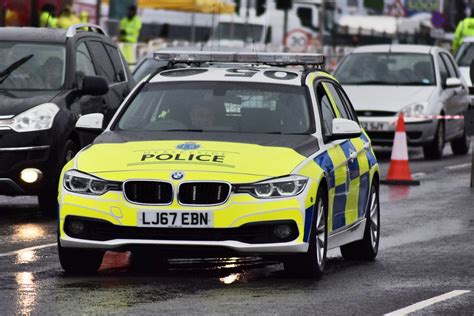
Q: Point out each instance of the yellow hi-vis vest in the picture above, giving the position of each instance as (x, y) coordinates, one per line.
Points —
(464, 29)
(46, 19)
(131, 29)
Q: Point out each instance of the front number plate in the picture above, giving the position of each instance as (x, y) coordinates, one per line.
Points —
(195, 219)
(375, 126)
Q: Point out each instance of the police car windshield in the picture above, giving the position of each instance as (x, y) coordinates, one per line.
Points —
(218, 107)
(410, 69)
(44, 70)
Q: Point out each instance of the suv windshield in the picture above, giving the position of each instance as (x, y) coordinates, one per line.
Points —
(42, 69)
(465, 55)
(218, 107)
(408, 69)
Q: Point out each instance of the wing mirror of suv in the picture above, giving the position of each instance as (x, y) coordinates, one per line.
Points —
(453, 82)
(343, 129)
(94, 85)
(91, 122)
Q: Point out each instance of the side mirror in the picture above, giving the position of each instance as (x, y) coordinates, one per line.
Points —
(92, 122)
(94, 85)
(343, 129)
(453, 82)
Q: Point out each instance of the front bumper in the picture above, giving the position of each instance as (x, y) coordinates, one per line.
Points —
(14, 159)
(381, 130)
(230, 230)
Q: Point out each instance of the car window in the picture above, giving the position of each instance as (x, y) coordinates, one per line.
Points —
(84, 65)
(443, 70)
(347, 103)
(337, 100)
(219, 107)
(117, 63)
(39, 66)
(326, 109)
(410, 69)
(465, 55)
(453, 73)
(102, 61)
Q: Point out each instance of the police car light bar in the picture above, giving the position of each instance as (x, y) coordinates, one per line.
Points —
(247, 58)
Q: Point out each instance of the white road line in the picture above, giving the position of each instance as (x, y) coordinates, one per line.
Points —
(464, 165)
(420, 305)
(12, 253)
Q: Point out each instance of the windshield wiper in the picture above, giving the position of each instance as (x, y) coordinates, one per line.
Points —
(7, 71)
(413, 83)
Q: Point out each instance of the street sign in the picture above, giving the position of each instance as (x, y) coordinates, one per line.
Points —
(437, 19)
(297, 40)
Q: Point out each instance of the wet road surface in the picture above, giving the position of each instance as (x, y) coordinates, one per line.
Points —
(427, 249)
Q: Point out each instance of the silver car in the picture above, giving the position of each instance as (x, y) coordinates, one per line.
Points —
(423, 82)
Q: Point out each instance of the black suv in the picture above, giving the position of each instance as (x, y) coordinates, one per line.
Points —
(48, 78)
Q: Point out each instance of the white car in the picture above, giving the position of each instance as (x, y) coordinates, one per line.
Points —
(423, 82)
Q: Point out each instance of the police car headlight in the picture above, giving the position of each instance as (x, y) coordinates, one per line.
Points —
(79, 182)
(414, 109)
(274, 188)
(39, 118)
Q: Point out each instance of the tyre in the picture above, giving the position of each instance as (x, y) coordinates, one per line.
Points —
(48, 199)
(460, 146)
(434, 150)
(312, 263)
(367, 248)
(80, 261)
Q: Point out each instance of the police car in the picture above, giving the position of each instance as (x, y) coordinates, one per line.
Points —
(236, 154)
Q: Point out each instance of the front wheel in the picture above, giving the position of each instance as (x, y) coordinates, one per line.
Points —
(434, 150)
(460, 146)
(367, 248)
(312, 263)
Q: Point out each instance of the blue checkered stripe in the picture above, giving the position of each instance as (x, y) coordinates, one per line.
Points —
(340, 191)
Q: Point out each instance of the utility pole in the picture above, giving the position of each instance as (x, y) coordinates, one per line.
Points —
(97, 11)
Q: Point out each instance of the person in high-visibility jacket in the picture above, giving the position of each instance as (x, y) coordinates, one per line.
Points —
(47, 18)
(464, 29)
(84, 16)
(68, 18)
(130, 27)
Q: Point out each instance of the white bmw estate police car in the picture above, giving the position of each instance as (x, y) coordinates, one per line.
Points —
(236, 154)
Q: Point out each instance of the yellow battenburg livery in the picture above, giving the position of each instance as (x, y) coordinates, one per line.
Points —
(253, 159)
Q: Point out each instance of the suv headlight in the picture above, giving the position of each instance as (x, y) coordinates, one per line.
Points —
(39, 118)
(274, 188)
(79, 182)
(414, 109)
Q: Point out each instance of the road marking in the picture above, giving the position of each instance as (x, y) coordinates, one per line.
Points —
(420, 305)
(464, 165)
(12, 253)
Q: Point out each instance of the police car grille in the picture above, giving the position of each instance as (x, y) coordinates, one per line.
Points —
(148, 192)
(203, 193)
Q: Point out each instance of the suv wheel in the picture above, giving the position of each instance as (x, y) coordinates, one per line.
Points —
(460, 146)
(312, 263)
(48, 199)
(434, 150)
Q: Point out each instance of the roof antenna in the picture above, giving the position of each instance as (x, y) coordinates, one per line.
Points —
(253, 37)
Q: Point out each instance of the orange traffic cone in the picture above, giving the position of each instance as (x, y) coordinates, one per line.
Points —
(399, 170)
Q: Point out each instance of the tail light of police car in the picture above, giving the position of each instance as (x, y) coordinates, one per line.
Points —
(274, 188)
